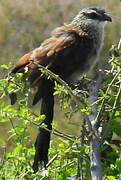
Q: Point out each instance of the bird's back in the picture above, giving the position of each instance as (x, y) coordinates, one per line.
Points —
(66, 51)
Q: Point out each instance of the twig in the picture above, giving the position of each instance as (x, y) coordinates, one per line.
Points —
(54, 131)
(51, 160)
(12, 124)
(23, 175)
(67, 135)
(106, 93)
(3, 158)
(119, 45)
(117, 96)
(62, 135)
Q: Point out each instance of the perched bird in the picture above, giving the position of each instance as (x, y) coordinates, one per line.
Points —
(71, 49)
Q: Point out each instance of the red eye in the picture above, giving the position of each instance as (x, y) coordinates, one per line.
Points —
(94, 15)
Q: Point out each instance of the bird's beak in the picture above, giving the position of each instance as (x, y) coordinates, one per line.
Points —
(106, 17)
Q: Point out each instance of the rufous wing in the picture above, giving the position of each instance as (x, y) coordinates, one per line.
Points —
(62, 38)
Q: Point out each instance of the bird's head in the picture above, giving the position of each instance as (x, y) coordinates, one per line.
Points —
(92, 16)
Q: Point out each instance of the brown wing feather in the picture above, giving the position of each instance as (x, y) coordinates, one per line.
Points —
(49, 48)
(22, 62)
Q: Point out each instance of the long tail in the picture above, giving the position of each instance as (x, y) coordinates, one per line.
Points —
(43, 139)
(45, 93)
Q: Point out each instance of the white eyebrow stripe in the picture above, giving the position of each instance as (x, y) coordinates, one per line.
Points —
(92, 11)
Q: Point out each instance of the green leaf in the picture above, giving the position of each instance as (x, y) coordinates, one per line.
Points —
(110, 178)
(4, 66)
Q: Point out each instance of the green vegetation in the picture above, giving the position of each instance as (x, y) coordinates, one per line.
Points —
(70, 155)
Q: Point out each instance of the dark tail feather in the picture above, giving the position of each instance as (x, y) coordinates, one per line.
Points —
(18, 69)
(37, 96)
(43, 139)
(39, 93)
(34, 77)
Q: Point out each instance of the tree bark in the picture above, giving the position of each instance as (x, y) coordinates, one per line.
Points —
(95, 159)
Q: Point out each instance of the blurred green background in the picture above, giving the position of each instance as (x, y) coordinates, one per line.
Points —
(24, 24)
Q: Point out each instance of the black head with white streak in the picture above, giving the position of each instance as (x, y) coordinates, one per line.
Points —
(91, 15)
(95, 14)
(92, 20)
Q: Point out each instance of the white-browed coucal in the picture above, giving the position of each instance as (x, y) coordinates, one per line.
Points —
(72, 48)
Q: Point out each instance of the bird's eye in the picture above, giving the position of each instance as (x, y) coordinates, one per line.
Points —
(93, 15)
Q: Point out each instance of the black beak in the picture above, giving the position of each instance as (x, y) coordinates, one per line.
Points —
(106, 17)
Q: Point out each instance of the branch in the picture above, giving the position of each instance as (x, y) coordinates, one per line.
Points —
(95, 160)
(119, 45)
(54, 131)
(61, 81)
(70, 92)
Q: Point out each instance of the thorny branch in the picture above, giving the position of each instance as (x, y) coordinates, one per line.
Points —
(70, 92)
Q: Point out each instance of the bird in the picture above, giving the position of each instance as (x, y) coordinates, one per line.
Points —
(70, 51)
